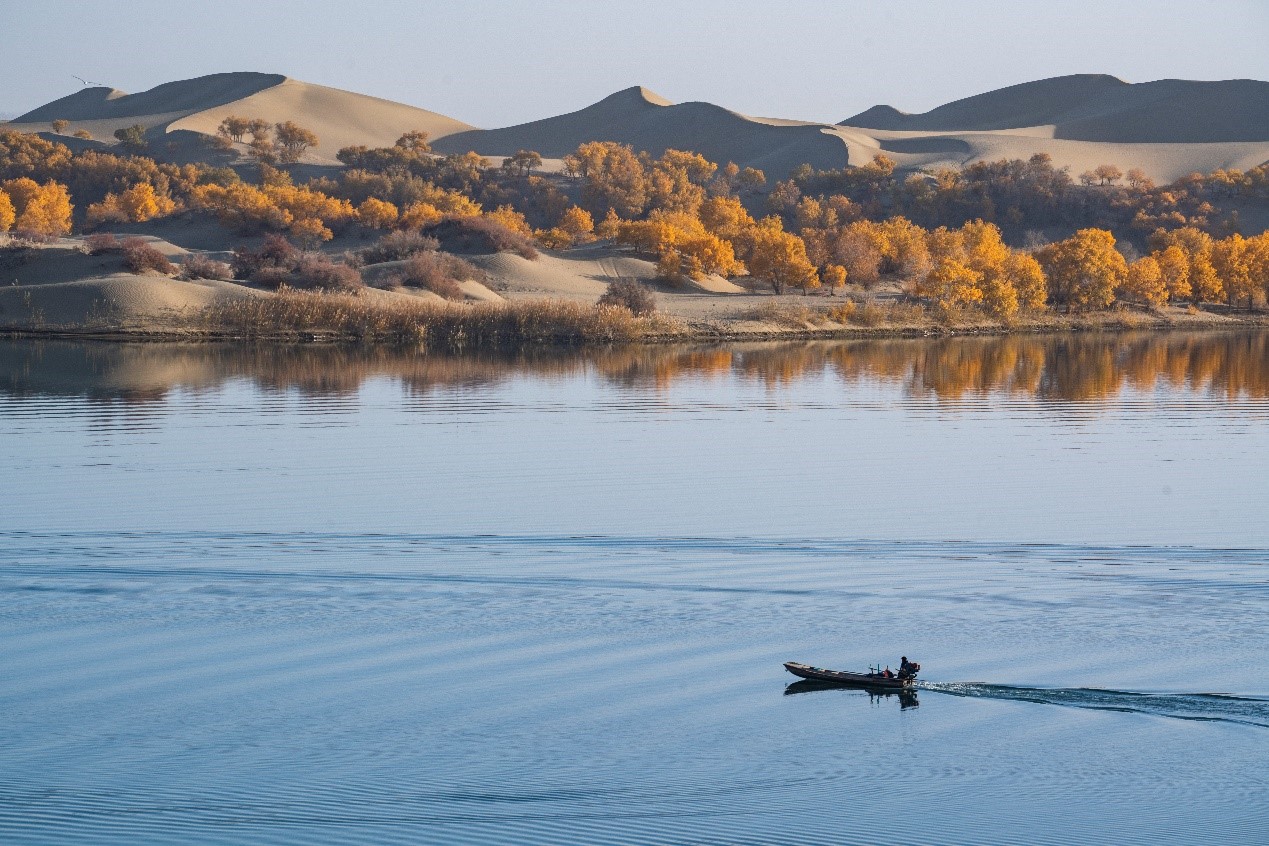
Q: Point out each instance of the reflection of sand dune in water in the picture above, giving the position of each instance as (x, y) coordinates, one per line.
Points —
(1184, 706)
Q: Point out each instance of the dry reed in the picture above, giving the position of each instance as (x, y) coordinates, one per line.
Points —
(311, 314)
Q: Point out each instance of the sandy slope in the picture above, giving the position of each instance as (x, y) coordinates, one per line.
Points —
(1168, 128)
(58, 285)
(646, 121)
(1095, 107)
(1128, 126)
(1161, 162)
(339, 118)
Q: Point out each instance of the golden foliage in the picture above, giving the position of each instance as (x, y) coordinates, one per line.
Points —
(309, 231)
(607, 228)
(419, 215)
(778, 257)
(8, 214)
(1144, 282)
(39, 209)
(682, 245)
(510, 218)
(377, 214)
(1174, 267)
(1084, 270)
(578, 225)
(137, 204)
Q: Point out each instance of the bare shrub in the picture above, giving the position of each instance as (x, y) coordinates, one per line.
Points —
(271, 277)
(353, 259)
(139, 256)
(202, 267)
(276, 253)
(398, 245)
(320, 273)
(101, 243)
(31, 237)
(439, 273)
(631, 295)
(480, 236)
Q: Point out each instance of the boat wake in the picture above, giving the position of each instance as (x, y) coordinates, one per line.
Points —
(1213, 707)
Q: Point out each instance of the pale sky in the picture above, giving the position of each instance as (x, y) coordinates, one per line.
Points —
(498, 63)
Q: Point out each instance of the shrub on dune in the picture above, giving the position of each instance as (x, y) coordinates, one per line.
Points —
(480, 235)
(202, 267)
(439, 273)
(630, 295)
(139, 256)
(398, 245)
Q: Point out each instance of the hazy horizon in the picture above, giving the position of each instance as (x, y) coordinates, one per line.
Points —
(811, 61)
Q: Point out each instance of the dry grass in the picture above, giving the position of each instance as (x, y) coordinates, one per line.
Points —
(848, 313)
(310, 314)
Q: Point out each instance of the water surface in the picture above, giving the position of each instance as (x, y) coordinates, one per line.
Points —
(271, 595)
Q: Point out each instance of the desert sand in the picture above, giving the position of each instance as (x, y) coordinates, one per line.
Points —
(184, 111)
(1168, 128)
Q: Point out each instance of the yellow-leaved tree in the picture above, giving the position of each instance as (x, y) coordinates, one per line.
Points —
(1028, 279)
(139, 203)
(578, 225)
(1230, 260)
(1084, 270)
(952, 283)
(7, 213)
(778, 257)
(1204, 283)
(1144, 283)
(682, 245)
(39, 209)
(510, 218)
(377, 214)
(1174, 267)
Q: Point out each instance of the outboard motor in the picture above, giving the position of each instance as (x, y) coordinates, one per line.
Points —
(911, 672)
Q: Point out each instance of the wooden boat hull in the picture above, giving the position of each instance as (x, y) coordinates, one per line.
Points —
(841, 677)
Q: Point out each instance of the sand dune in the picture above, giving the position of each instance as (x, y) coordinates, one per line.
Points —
(58, 285)
(1168, 128)
(646, 121)
(1088, 107)
(583, 275)
(1106, 121)
(339, 118)
(1161, 162)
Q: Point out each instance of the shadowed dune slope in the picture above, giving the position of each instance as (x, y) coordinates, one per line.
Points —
(187, 95)
(645, 121)
(1089, 107)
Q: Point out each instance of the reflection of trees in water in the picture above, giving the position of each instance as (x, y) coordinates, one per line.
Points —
(1069, 368)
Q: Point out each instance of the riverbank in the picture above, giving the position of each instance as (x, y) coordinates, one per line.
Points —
(314, 317)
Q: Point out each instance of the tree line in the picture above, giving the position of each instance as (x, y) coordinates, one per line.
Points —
(819, 230)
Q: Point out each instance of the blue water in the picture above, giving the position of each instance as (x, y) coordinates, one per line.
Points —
(321, 596)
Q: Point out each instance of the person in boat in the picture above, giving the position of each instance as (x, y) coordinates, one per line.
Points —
(907, 668)
(888, 673)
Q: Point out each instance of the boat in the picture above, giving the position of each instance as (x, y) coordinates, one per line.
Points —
(842, 677)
